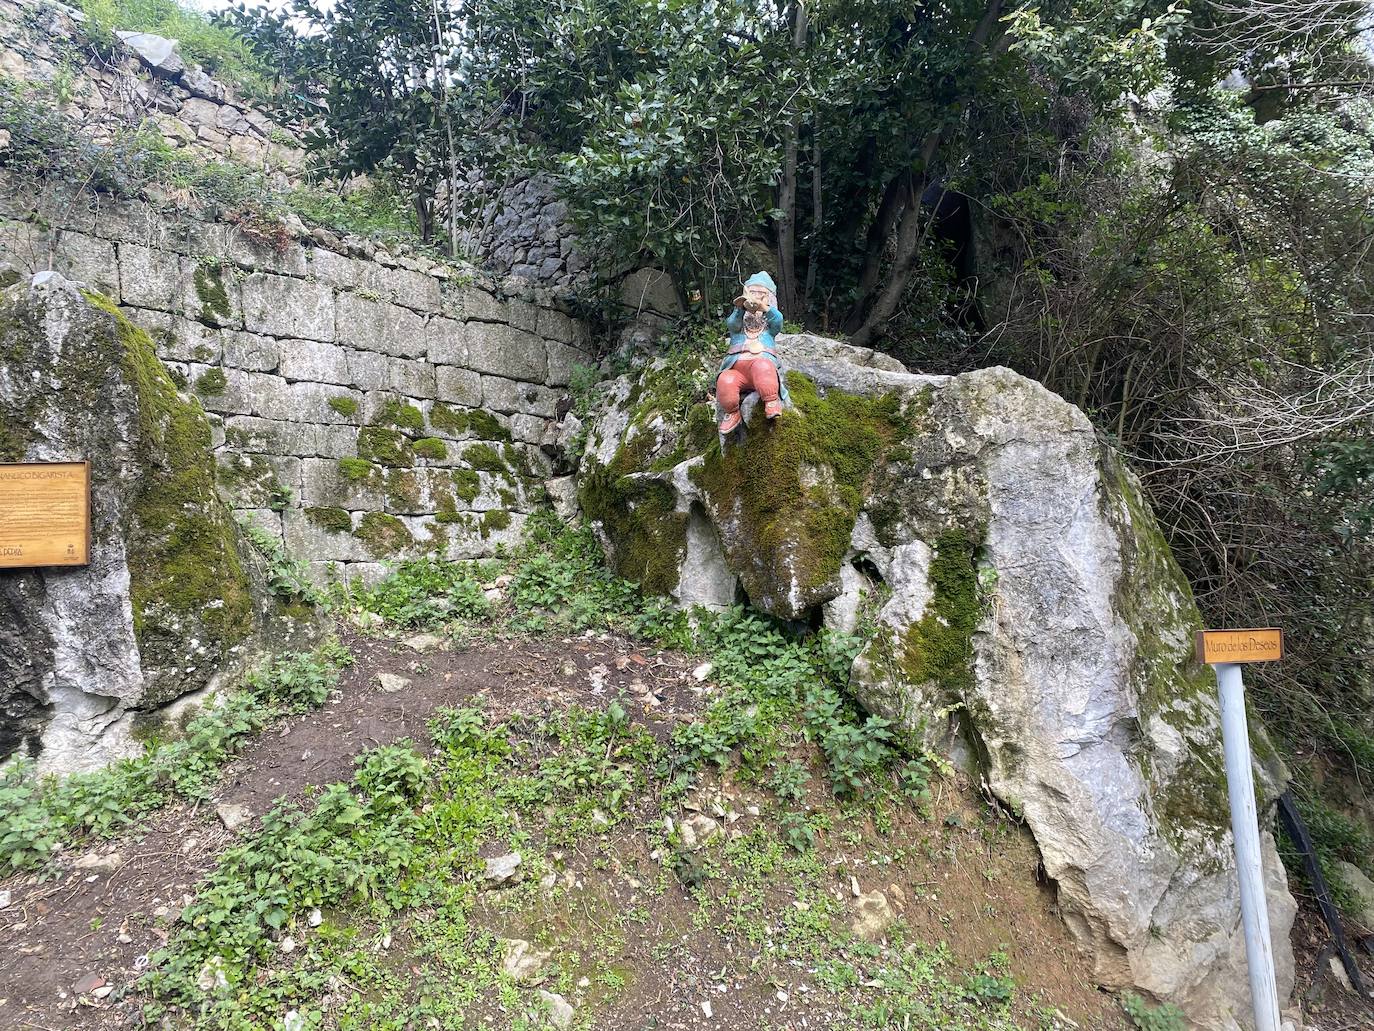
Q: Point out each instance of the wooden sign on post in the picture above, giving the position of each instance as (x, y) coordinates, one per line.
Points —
(45, 514)
(1224, 651)
(1259, 645)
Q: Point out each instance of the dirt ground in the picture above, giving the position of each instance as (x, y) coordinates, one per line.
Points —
(75, 944)
(1328, 1004)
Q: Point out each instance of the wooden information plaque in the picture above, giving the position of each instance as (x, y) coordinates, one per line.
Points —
(1259, 645)
(45, 514)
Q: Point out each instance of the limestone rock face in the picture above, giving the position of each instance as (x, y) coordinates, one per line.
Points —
(166, 604)
(1029, 619)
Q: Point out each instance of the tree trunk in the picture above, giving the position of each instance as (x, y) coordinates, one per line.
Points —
(812, 258)
(875, 247)
(789, 289)
(909, 234)
(987, 34)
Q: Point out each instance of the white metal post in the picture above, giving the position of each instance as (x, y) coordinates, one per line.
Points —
(1240, 786)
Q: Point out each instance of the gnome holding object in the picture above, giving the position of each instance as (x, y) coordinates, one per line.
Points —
(752, 361)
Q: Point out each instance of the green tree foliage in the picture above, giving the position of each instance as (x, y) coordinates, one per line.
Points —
(374, 76)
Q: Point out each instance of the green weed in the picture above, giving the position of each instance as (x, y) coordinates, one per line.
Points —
(1165, 1017)
(38, 815)
(424, 593)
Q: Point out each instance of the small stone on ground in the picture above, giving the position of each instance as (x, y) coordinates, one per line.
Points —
(873, 916)
(503, 869)
(425, 643)
(390, 683)
(232, 816)
(523, 961)
(560, 1009)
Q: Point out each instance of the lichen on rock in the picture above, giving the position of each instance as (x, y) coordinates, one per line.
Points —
(187, 582)
(167, 604)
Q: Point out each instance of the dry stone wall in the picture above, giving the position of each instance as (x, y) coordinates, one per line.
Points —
(146, 84)
(521, 229)
(363, 409)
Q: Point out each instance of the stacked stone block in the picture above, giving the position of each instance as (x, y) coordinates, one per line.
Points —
(365, 409)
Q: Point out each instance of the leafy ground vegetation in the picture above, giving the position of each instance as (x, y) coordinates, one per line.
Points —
(520, 796)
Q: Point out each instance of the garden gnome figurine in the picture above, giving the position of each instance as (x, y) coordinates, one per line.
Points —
(752, 361)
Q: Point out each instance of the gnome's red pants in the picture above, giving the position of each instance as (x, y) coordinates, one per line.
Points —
(745, 375)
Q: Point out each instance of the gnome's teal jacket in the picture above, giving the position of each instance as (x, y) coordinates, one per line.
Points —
(772, 326)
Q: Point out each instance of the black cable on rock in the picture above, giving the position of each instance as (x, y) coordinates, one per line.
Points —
(1297, 833)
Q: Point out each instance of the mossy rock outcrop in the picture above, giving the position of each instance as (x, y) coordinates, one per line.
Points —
(171, 599)
(1020, 610)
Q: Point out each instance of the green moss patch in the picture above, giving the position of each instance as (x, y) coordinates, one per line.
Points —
(383, 535)
(485, 458)
(385, 446)
(447, 419)
(431, 448)
(402, 490)
(344, 405)
(457, 421)
(639, 515)
(787, 498)
(208, 280)
(212, 382)
(448, 511)
(938, 647)
(356, 470)
(186, 579)
(466, 484)
(494, 520)
(398, 413)
(334, 520)
(487, 426)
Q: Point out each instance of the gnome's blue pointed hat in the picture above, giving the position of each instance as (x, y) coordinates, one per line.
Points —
(764, 280)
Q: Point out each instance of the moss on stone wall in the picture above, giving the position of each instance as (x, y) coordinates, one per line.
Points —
(466, 484)
(385, 446)
(402, 490)
(208, 280)
(334, 520)
(396, 412)
(446, 419)
(496, 519)
(344, 405)
(186, 578)
(487, 426)
(485, 458)
(383, 535)
(212, 382)
(356, 470)
(447, 510)
(431, 448)
(456, 421)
